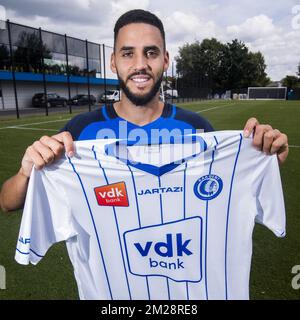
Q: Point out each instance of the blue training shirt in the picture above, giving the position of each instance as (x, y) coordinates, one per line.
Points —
(105, 123)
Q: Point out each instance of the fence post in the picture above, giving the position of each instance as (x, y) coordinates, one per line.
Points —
(68, 72)
(104, 73)
(13, 69)
(172, 79)
(43, 68)
(88, 73)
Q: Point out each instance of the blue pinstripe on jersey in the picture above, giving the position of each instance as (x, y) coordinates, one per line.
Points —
(184, 188)
(136, 198)
(228, 213)
(94, 225)
(40, 256)
(184, 216)
(160, 201)
(117, 225)
(162, 222)
(22, 251)
(206, 220)
(139, 218)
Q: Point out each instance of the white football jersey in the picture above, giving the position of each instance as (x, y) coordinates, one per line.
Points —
(166, 221)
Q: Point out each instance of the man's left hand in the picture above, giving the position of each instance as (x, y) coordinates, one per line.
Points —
(267, 139)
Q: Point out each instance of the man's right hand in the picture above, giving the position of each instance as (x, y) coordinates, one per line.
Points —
(40, 153)
(46, 150)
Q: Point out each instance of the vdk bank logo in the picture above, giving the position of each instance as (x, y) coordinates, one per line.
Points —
(208, 187)
(172, 250)
(112, 195)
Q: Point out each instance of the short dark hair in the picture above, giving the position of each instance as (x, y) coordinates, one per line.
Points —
(139, 16)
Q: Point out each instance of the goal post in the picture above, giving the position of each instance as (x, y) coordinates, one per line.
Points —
(267, 93)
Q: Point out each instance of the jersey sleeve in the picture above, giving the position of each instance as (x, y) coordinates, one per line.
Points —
(46, 218)
(269, 196)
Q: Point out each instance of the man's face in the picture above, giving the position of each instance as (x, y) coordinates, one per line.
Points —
(139, 61)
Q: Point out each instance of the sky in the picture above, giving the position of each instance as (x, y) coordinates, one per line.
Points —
(269, 26)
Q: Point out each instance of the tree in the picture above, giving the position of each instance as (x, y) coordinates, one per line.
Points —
(28, 52)
(199, 63)
(187, 60)
(221, 66)
(242, 68)
(233, 65)
(255, 75)
(291, 82)
(4, 57)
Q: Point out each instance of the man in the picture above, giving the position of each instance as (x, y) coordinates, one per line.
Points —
(139, 59)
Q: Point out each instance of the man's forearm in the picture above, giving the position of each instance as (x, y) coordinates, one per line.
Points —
(13, 192)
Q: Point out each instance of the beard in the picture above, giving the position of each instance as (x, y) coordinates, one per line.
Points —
(140, 100)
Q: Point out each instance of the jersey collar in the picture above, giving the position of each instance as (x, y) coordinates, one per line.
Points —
(110, 112)
(119, 150)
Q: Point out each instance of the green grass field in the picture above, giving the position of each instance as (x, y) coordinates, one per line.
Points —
(273, 258)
